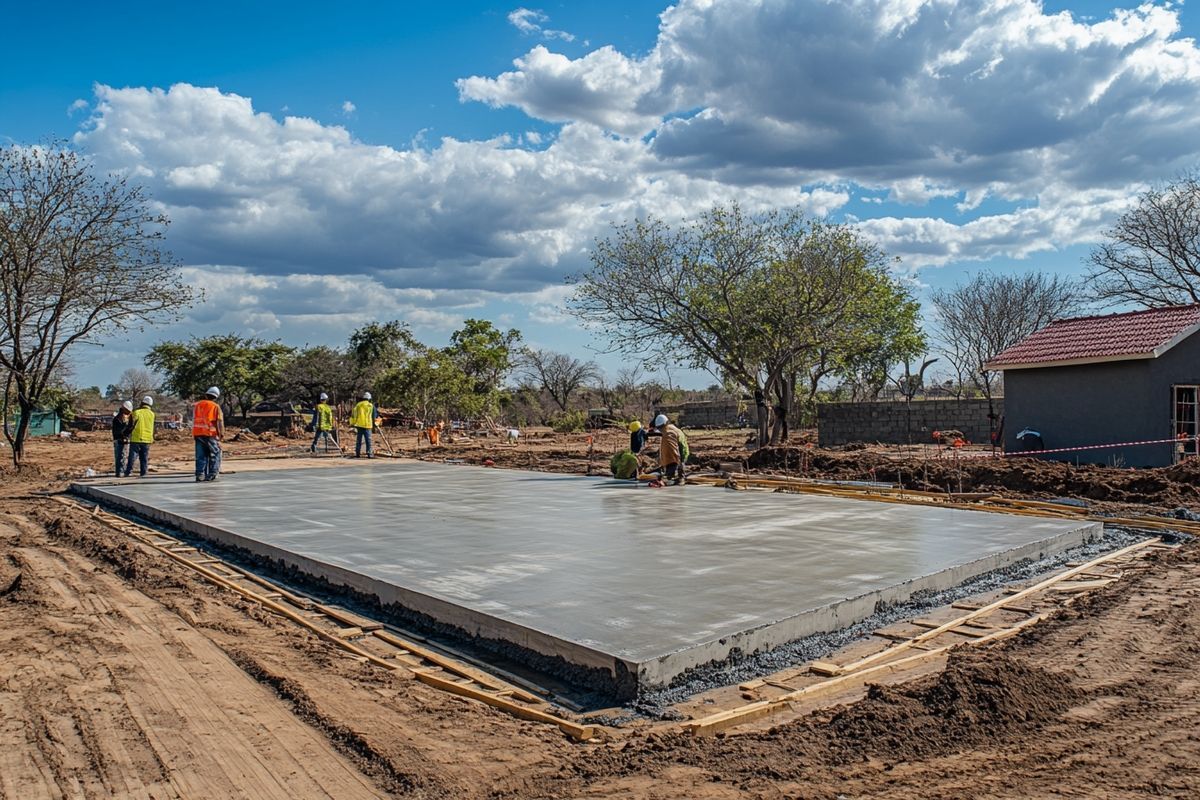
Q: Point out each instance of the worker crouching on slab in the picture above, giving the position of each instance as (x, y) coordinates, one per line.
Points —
(363, 419)
(141, 437)
(624, 466)
(673, 452)
(208, 426)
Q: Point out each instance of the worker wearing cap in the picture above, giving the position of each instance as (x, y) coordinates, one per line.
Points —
(322, 424)
(141, 437)
(122, 426)
(363, 419)
(208, 426)
(673, 452)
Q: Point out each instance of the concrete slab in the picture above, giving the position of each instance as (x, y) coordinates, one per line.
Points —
(613, 585)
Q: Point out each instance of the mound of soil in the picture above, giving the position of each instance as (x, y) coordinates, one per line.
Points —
(1172, 486)
(979, 697)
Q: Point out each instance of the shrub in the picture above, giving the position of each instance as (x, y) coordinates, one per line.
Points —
(568, 421)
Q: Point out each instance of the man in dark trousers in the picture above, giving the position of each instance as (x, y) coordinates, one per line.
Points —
(208, 426)
(122, 426)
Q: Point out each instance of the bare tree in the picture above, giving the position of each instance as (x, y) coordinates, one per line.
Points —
(559, 374)
(80, 257)
(990, 313)
(1152, 253)
(133, 383)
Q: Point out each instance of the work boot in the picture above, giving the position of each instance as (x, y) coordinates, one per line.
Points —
(211, 478)
(199, 478)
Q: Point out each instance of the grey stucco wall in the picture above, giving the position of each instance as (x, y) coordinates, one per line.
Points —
(903, 423)
(1089, 404)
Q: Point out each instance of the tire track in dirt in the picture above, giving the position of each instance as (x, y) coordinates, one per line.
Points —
(111, 672)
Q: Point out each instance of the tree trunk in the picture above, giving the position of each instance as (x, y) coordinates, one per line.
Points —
(764, 417)
(783, 410)
(22, 432)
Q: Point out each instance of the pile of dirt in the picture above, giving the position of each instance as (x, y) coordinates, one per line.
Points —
(1177, 485)
(977, 698)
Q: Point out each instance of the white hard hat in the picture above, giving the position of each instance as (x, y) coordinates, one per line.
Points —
(147, 400)
(324, 396)
(127, 405)
(213, 392)
(660, 420)
(366, 395)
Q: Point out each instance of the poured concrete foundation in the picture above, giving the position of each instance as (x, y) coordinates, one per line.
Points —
(614, 585)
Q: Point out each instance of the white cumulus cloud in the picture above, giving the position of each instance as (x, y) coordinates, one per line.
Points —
(923, 99)
(294, 196)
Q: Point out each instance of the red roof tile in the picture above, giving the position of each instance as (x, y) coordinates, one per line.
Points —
(1114, 337)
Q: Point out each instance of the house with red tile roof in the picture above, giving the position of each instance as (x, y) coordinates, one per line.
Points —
(1103, 382)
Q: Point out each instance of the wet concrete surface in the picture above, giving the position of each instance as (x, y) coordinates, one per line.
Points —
(602, 574)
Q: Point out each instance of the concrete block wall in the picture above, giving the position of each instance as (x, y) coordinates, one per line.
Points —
(902, 423)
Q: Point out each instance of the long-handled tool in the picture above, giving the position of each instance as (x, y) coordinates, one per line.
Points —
(379, 428)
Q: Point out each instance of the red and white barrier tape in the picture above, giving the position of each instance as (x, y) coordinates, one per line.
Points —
(1034, 453)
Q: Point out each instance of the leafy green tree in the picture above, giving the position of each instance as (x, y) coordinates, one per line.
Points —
(485, 355)
(378, 347)
(247, 370)
(751, 299)
(429, 385)
(319, 369)
(87, 397)
(81, 258)
(880, 331)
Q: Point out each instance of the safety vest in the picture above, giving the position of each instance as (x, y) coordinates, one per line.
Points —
(143, 426)
(363, 415)
(324, 417)
(205, 416)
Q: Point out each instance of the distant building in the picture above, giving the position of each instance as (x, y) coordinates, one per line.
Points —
(1105, 380)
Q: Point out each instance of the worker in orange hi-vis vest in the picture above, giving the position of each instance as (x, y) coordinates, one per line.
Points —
(208, 426)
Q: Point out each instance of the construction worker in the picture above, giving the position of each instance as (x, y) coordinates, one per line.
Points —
(122, 426)
(637, 437)
(322, 424)
(208, 426)
(141, 437)
(673, 452)
(363, 419)
(624, 466)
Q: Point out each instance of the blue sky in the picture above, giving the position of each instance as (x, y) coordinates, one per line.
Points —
(329, 164)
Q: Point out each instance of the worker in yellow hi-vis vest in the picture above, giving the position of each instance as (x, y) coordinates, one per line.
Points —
(141, 437)
(363, 419)
(322, 425)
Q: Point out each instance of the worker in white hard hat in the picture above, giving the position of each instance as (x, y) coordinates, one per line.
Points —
(673, 452)
(208, 426)
(122, 427)
(141, 437)
(363, 419)
(322, 425)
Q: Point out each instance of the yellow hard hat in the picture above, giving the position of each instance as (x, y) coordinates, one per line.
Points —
(635, 426)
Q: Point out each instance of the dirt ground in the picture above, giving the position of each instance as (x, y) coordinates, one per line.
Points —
(124, 675)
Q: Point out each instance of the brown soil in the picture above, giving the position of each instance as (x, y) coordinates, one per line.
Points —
(1167, 487)
(121, 674)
